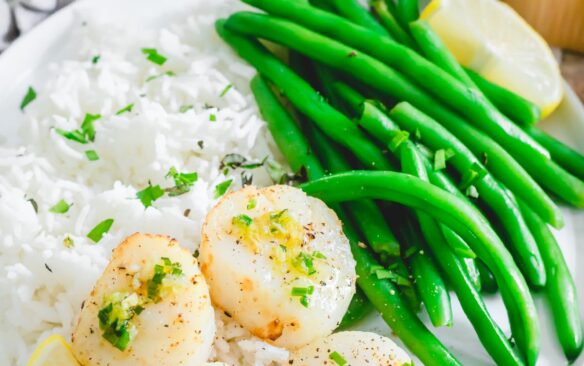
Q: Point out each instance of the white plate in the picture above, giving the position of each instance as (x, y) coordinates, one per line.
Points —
(23, 64)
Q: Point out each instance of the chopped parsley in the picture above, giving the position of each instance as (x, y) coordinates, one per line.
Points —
(28, 98)
(337, 358)
(115, 318)
(91, 155)
(397, 140)
(182, 181)
(100, 229)
(251, 204)
(222, 187)
(127, 108)
(225, 90)
(85, 134)
(212, 117)
(153, 77)
(242, 220)
(153, 56)
(304, 294)
(149, 195)
(95, 59)
(60, 207)
(185, 108)
(165, 269)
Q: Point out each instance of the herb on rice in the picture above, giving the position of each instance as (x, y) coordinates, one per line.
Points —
(221, 188)
(100, 229)
(68, 242)
(28, 98)
(91, 155)
(153, 77)
(212, 117)
(153, 56)
(127, 108)
(201, 144)
(34, 205)
(225, 90)
(83, 135)
(182, 181)
(149, 195)
(95, 59)
(185, 108)
(60, 207)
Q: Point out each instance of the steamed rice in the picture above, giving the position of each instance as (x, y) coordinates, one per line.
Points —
(42, 280)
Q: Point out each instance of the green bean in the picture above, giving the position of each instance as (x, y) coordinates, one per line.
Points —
(435, 51)
(457, 215)
(407, 11)
(515, 107)
(383, 78)
(306, 99)
(351, 9)
(468, 101)
(488, 282)
(489, 333)
(560, 291)
(285, 131)
(390, 23)
(472, 271)
(490, 192)
(358, 309)
(428, 280)
(564, 155)
(386, 299)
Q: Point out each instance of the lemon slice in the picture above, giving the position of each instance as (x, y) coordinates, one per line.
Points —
(491, 38)
(53, 351)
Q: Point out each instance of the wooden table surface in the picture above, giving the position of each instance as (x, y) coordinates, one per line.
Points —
(572, 66)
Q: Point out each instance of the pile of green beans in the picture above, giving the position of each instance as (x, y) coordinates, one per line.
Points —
(459, 156)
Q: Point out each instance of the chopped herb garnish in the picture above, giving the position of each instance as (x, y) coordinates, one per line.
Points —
(472, 175)
(222, 187)
(115, 318)
(28, 98)
(246, 178)
(212, 117)
(74, 135)
(242, 220)
(91, 155)
(182, 181)
(83, 135)
(153, 56)
(149, 195)
(60, 207)
(337, 358)
(201, 144)
(225, 90)
(68, 242)
(383, 274)
(439, 159)
(185, 108)
(34, 205)
(127, 108)
(165, 269)
(251, 204)
(100, 229)
(397, 140)
(304, 262)
(304, 294)
(95, 59)
(318, 255)
(232, 161)
(279, 175)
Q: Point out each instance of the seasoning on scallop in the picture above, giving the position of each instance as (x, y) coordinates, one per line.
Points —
(151, 306)
(351, 349)
(278, 261)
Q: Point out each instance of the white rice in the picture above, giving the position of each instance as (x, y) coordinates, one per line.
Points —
(43, 282)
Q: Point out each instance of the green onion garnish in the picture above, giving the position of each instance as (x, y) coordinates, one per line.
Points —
(100, 229)
(153, 56)
(149, 195)
(91, 155)
(60, 207)
(222, 187)
(337, 358)
(242, 220)
(303, 293)
(28, 98)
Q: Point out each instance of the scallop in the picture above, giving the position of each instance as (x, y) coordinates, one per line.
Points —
(151, 306)
(351, 348)
(278, 262)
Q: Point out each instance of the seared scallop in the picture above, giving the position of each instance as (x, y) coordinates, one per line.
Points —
(151, 306)
(351, 349)
(278, 262)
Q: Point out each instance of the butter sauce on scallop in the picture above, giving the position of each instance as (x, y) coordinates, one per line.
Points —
(278, 262)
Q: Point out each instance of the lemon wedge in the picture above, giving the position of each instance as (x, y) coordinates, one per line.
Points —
(53, 351)
(489, 37)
